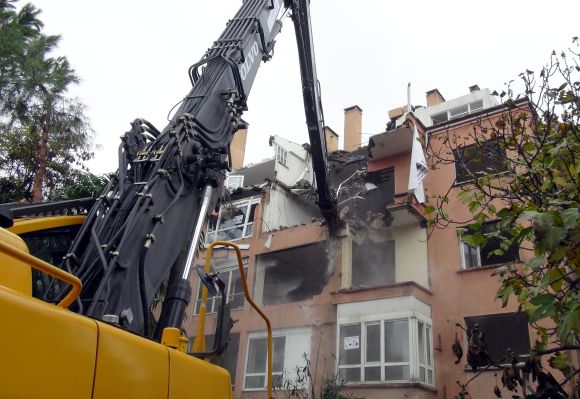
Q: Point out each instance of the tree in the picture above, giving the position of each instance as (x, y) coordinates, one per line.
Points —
(523, 172)
(46, 134)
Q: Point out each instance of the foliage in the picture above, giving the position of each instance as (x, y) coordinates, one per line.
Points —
(302, 385)
(79, 184)
(45, 133)
(532, 190)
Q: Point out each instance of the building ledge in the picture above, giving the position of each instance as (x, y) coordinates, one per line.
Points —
(391, 385)
(405, 288)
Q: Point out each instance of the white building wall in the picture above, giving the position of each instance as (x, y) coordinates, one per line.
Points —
(299, 164)
(283, 209)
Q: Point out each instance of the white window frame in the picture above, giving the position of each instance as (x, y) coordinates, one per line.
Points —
(216, 300)
(246, 225)
(286, 368)
(413, 362)
(470, 109)
(462, 247)
(427, 344)
(282, 156)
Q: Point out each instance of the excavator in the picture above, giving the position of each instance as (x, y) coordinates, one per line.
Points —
(85, 328)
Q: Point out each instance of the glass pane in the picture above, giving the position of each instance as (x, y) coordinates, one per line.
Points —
(470, 256)
(279, 346)
(430, 377)
(350, 375)
(439, 118)
(396, 341)
(396, 373)
(349, 345)
(475, 105)
(257, 381)
(233, 216)
(458, 111)
(373, 350)
(421, 338)
(257, 355)
(422, 374)
(231, 234)
(237, 300)
(428, 338)
(277, 380)
(252, 213)
(372, 373)
(249, 230)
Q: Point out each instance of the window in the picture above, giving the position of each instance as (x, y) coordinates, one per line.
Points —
(503, 331)
(457, 112)
(289, 349)
(471, 162)
(50, 245)
(234, 221)
(234, 181)
(230, 275)
(282, 156)
(475, 257)
(440, 118)
(373, 264)
(383, 351)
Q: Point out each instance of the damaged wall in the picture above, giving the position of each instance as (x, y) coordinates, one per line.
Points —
(291, 275)
(298, 164)
(406, 245)
(283, 209)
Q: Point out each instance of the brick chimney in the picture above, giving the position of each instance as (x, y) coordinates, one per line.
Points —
(434, 97)
(331, 139)
(238, 148)
(352, 128)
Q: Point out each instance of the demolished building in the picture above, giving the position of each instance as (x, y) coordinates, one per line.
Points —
(377, 304)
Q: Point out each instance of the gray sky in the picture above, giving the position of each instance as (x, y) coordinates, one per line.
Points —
(132, 57)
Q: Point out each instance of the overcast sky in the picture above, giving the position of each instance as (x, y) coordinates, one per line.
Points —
(132, 57)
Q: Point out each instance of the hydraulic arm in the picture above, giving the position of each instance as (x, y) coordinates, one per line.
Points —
(147, 226)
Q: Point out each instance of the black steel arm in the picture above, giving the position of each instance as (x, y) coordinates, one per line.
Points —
(313, 109)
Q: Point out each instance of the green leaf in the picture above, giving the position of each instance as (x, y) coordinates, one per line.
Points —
(553, 237)
(569, 217)
(536, 263)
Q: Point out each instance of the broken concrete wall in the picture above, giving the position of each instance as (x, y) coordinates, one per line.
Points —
(291, 275)
(283, 209)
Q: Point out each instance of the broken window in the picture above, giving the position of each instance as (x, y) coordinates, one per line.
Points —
(234, 181)
(474, 161)
(292, 275)
(500, 332)
(234, 221)
(373, 264)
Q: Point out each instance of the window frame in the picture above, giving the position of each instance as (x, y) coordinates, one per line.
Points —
(413, 350)
(212, 235)
(215, 300)
(463, 245)
(448, 113)
(281, 156)
(228, 182)
(472, 176)
(287, 334)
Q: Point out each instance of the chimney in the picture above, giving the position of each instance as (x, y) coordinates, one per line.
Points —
(331, 139)
(352, 128)
(238, 148)
(474, 88)
(434, 97)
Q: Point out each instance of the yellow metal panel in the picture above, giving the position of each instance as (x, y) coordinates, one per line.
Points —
(45, 352)
(129, 366)
(22, 226)
(14, 274)
(193, 378)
